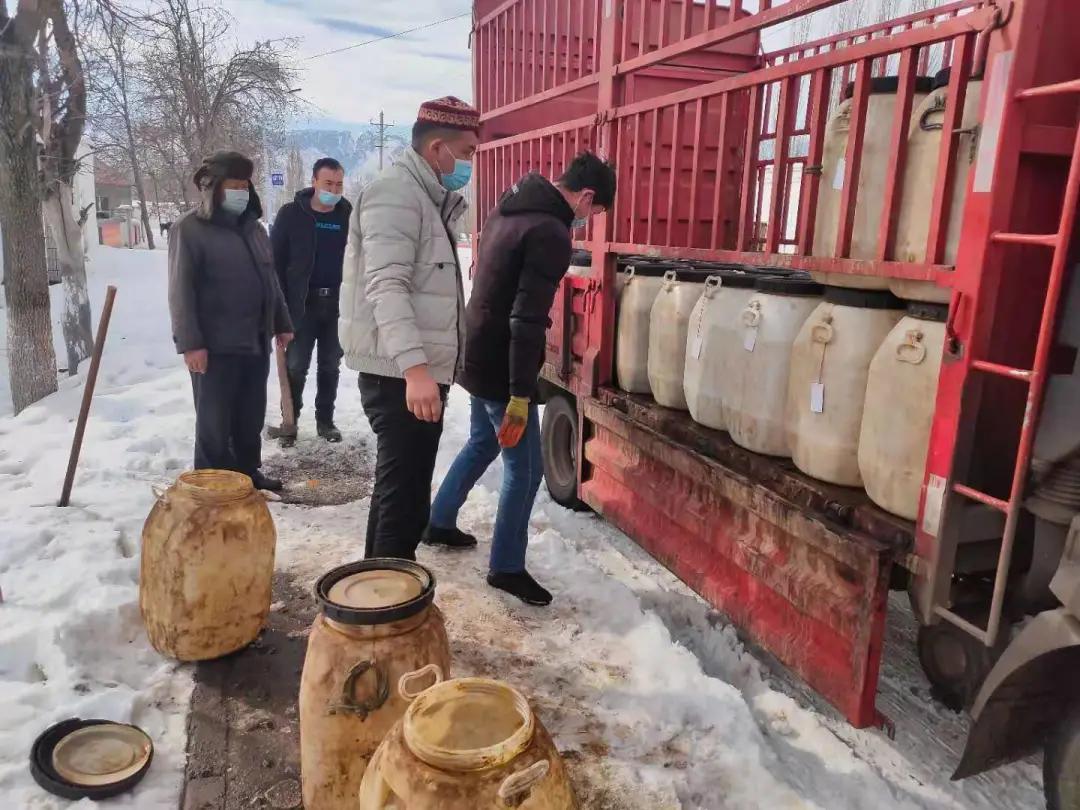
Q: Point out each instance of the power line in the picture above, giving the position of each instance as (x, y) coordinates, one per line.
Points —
(392, 36)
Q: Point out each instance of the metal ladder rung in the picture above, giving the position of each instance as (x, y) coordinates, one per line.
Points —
(1003, 371)
(1039, 239)
(981, 497)
(979, 632)
(1058, 89)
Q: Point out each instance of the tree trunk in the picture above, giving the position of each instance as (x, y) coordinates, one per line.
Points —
(31, 359)
(66, 233)
(140, 190)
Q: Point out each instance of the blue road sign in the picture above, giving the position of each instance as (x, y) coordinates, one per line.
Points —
(277, 179)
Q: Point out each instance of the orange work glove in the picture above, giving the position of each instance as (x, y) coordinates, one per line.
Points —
(514, 422)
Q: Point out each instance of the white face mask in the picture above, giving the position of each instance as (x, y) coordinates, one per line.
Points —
(235, 201)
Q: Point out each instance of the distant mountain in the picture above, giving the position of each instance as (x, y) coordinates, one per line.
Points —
(356, 148)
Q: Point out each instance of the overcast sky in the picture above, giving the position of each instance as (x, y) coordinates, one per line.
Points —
(394, 75)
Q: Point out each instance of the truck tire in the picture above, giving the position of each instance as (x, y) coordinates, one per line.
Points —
(1061, 764)
(558, 445)
(956, 663)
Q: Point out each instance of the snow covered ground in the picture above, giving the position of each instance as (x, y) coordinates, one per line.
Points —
(653, 700)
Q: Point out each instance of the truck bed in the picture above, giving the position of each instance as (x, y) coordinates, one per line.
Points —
(802, 567)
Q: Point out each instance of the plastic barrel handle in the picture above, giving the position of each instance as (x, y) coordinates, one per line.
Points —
(822, 332)
(404, 680)
(517, 783)
(751, 316)
(712, 284)
(670, 279)
(347, 702)
(912, 349)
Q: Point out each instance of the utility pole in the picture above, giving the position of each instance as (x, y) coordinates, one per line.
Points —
(380, 142)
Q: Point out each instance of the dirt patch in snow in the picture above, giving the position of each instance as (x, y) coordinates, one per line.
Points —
(243, 730)
(317, 473)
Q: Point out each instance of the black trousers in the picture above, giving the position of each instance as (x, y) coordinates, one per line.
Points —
(318, 328)
(404, 467)
(230, 410)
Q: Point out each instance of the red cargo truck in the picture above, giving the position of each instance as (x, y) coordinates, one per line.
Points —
(719, 147)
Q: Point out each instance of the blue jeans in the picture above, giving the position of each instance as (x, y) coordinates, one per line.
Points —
(522, 471)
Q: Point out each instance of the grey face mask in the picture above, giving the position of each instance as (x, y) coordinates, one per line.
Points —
(235, 201)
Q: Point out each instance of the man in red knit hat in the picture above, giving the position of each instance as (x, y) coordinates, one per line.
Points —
(403, 316)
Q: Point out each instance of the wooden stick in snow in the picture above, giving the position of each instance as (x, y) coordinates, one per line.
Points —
(288, 415)
(88, 394)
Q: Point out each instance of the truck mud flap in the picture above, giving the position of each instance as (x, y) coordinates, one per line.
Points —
(1026, 693)
(811, 593)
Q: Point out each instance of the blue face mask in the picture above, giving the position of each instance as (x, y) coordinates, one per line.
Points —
(329, 198)
(580, 222)
(235, 201)
(459, 177)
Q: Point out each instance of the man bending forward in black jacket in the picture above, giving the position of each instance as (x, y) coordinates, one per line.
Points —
(309, 236)
(523, 254)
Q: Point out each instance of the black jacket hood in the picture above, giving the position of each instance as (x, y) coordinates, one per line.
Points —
(535, 194)
(304, 195)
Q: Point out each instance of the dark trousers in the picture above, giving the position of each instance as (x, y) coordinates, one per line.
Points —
(230, 410)
(318, 327)
(404, 467)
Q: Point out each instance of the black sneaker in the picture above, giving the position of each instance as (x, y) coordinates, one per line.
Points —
(263, 482)
(451, 538)
(328, 431)
(523, 586)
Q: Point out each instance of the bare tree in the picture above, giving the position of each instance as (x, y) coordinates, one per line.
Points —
(207, 93)
(62, 100)
(117, 95)
(31, 359)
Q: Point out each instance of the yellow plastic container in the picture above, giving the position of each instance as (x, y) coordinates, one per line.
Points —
(467, 744)
(207, 564)
(377, 642)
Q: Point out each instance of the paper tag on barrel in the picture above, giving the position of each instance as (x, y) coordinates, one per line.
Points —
(749, 338)
(817, 397)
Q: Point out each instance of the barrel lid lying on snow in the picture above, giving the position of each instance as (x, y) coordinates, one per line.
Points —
(375, 591)
(90, 759)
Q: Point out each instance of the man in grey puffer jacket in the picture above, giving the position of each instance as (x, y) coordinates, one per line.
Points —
(402, 316)
(226, 305)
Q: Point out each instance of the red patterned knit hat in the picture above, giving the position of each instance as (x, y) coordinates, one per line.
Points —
(450, 112)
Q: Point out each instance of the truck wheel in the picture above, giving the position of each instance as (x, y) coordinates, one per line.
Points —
(1061, 765)
(956, 663)
(558, 445)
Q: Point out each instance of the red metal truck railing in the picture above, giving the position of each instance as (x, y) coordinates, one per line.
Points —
(727, 168)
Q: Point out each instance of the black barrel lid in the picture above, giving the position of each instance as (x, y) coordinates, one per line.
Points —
(736, 279)
(928, 312)
(864, 299)
(96, 749)
(788, 285)
(941, 78)
(890, 84)
(581, 258)
(393, 590)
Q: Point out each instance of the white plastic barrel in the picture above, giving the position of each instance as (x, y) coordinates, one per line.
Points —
(711, 331)
(873, 173)
(920, 176)
(755, 397)
(668, 326)
(899, 409)
(641, 284)
(830, 363)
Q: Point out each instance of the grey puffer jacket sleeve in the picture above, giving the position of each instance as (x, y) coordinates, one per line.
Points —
(183, 299)
(390, 224)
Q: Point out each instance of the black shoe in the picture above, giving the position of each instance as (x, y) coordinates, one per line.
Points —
(451, 538)
(328, 431)
(523, 586)
(263, 482)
